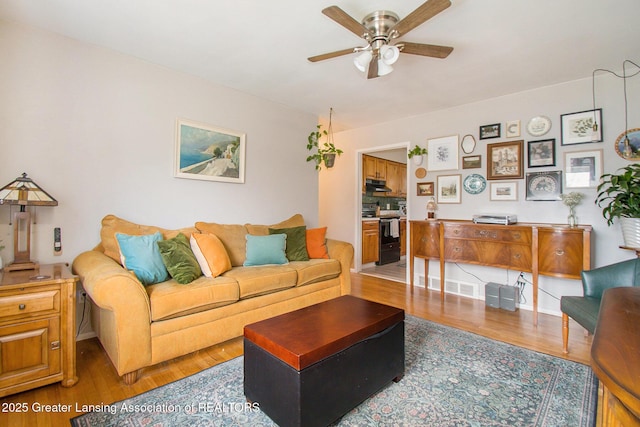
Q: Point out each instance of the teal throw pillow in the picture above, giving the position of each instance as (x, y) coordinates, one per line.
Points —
(296, 249)
(179, 259)
(264, 250)
(141, 255)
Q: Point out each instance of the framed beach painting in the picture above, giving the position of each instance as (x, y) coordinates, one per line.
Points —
(209, 153)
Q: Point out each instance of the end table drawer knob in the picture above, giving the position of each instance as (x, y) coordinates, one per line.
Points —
(22, 306)
(55, 345)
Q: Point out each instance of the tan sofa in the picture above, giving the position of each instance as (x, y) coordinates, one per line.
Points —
(140, 325)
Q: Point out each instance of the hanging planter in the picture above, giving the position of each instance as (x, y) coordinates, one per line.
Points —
(325, 153)
(417, 153)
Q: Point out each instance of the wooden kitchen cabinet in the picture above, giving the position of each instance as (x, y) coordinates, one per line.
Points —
(370, 241)
(403, 237)
(374, 168)
(37, 328)
(541, 249)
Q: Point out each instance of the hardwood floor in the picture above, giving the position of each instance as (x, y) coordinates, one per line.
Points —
(99, 384)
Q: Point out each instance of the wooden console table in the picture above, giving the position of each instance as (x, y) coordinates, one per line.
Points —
(539, 249)
(614, 356)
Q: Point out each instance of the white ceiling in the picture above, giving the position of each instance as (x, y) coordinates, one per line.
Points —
(260, 47)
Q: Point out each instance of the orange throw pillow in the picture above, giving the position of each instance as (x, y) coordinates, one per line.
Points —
(317, 242)
(210, 253)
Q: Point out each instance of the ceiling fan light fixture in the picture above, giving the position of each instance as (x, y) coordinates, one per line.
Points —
(384, 68)
(362, 61)
(389, 54)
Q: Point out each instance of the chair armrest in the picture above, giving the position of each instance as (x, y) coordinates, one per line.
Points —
(343, 252)
(621, 274)
(125, 331)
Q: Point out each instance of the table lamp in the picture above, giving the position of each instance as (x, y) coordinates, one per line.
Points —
(23, 192)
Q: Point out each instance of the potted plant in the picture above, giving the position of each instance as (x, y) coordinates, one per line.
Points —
(619, 197)
(417, 152)
(325, 153)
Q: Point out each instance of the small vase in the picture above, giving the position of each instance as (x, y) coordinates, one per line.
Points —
(572, 220)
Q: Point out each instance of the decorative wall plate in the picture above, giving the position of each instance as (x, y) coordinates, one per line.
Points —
(539, 126)
(630, 151)
(421, 173)
(474, 184)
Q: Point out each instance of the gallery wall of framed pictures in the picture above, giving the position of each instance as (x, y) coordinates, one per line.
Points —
(545, 164)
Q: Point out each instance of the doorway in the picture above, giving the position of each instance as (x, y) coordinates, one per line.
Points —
(375, 206)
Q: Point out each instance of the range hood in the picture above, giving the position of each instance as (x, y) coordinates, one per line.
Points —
(374, 185)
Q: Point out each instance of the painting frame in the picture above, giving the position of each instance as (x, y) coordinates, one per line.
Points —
(472, 162)
(449, 189)
(544, 186)
(425, 188)
(575, 127)
(541, 153)
(196, 157)
(503, 191)
(505, 160)
(489, 131)
(582, 169)
(443, 153)
(512, 129)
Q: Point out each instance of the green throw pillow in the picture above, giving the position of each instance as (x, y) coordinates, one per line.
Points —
(179, 259)
(296, 249)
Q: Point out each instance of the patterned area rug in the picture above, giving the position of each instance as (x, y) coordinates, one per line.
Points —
(452, 378)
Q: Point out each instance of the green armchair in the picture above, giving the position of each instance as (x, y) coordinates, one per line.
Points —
(585, 309)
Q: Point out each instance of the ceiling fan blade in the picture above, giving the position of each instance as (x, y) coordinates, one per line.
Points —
(344, 19)
(331, 55)
(372, 72)
(426, 11)
(432, 50)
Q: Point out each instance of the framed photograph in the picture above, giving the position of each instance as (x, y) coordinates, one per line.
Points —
(582, 169)
(544, 185)
(512, 129)
(471, 162)
(503, 191)
(577, 128)
(630, 151)
(449, 188)
(490, 131)
(209, 153)
(443, 153)
(541, 153)
(426, 188)
(504, 160)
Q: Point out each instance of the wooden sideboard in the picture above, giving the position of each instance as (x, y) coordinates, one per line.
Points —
(614, 356)
(539, 249)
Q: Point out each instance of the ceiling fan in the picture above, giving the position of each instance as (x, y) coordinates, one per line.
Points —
(378, 29)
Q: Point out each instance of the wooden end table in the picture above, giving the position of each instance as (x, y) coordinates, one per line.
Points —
(311, 366)
(37, 328)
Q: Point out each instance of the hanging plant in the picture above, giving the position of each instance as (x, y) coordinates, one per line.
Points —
(417, 151)
(325, 152)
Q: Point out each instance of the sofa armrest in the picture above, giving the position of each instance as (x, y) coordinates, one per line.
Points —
(343, 252)
(621, 274)
(125, 313)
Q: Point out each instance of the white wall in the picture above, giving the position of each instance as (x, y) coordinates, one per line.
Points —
(340, 188)
(96, 129)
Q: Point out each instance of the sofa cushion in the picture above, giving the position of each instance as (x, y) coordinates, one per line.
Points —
(317, 243)
(171, 299)
(296, 248)
(111, 225)
(266, 250)
(141, 255)
(232, 237)
(296, 220)
(179, 259)
(253, 281)
(210, 253)
(315, 270)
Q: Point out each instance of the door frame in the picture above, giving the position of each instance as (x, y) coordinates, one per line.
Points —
(358, 202)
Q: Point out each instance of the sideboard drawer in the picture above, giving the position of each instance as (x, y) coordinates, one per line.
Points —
(487, 232)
